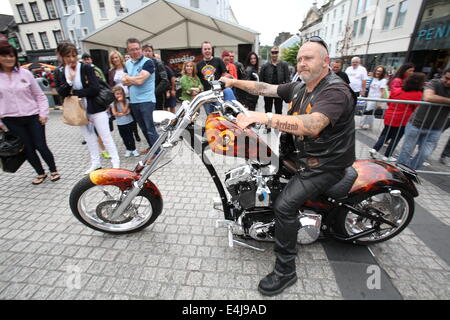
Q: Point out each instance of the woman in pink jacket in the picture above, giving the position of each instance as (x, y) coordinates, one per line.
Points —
(397, 114)
(24, 111)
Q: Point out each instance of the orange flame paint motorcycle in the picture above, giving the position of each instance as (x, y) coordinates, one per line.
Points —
(372, 203)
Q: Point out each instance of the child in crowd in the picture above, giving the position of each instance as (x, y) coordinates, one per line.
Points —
(125, 121)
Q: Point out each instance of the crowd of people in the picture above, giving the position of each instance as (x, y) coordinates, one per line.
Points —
(142, 83)
(420, 125)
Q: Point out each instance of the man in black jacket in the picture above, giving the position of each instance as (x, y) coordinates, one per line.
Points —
(321, 125)
(275, 72)
(161, 79)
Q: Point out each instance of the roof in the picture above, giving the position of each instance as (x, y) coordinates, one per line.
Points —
(167, 25)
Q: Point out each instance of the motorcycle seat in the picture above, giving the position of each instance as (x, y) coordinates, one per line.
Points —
(341, 189)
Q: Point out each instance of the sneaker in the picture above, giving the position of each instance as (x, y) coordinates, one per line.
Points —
(390, 159)
(127, 153)
(93, 168)
(373, 153)
(105, 155)
(426, 164)
(135, 153)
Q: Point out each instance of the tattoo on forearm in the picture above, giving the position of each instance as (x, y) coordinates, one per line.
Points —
(286, 126)
(314, 124)
(261, 89)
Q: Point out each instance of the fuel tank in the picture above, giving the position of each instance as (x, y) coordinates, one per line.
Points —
(228, 139)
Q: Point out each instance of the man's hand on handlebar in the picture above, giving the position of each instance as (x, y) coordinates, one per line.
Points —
(252, 117)
(228, 82)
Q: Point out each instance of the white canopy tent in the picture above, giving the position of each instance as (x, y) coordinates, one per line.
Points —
(167, 25)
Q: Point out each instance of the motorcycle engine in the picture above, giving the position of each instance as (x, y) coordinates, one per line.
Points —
(250, 189)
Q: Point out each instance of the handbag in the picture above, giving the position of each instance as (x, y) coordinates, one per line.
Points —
(74, 113)
(12, 163)
(10, 144)
(105, 96)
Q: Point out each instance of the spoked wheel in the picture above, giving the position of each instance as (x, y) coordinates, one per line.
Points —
(396, 208)
(94, 206)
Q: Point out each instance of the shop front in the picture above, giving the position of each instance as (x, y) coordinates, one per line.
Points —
(431, 47)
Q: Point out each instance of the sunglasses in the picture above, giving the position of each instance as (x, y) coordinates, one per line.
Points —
(317, 39)
(274, 52)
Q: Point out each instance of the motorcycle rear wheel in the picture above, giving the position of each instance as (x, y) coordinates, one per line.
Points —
(398, 209)
(93, 205)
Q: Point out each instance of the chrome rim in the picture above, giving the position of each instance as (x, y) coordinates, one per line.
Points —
(97, 204)
(395, 208)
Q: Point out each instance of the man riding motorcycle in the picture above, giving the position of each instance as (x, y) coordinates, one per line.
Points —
(320, 122)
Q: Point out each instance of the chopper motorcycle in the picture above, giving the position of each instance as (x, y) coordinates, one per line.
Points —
(372, 203)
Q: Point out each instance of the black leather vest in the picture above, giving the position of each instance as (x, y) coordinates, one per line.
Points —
(334, 149)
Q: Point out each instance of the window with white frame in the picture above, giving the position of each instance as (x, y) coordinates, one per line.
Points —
(65, 6)
(388, 17)
(340, 27)
(342, 9)
(58, 36)
(22, 13)
(44, 40)
(362, 27)
(73, 37)
(101, 4)
(355, 28)
(35, 10)
(51, 9)
(403, 7)
(361, 7)
(85, 32)
(80, 5)
(32, 41)
(195, 4)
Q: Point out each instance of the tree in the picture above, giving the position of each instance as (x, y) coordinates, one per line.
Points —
(290, 54)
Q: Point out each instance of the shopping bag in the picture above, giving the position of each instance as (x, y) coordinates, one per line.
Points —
(73, 112)
(13, 163)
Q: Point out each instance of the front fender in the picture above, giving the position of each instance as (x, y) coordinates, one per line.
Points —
(122, 178)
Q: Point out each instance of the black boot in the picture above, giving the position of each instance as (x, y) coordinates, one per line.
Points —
(275, 283)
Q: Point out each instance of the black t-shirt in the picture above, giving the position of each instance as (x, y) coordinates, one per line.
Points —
(432, 117)
(274, 74)
(206, 68)
(332, 102)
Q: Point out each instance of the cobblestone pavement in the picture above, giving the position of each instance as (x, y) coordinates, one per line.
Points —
(45, 253)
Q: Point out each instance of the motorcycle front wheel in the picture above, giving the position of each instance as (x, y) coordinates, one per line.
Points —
(93, 205)
(397, 208)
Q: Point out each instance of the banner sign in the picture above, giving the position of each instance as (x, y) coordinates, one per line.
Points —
(176, 58)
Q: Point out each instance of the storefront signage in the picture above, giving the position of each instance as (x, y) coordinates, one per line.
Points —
(433, 34)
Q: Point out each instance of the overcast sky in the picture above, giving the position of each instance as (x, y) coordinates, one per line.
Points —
(268, 17)
(271, 17)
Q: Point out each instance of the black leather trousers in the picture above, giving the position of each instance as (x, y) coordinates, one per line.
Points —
(298, 190)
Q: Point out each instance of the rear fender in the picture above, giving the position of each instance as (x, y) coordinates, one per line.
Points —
(122, 178)
(374, 176)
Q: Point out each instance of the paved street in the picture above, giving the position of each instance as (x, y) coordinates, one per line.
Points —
(45, 253)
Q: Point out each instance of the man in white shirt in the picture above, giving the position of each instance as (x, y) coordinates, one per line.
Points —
(358, 77)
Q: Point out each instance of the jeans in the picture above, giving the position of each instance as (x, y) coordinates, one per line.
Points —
(446, 151)
(394, 134)
(143, 112)
(32, 133)
(228, 95)
(425, 139)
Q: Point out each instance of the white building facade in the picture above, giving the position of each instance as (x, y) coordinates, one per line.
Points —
(378, 31)
(40, 28)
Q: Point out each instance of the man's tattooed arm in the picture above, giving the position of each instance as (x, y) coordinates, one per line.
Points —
(257, 88)
(307, 125)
